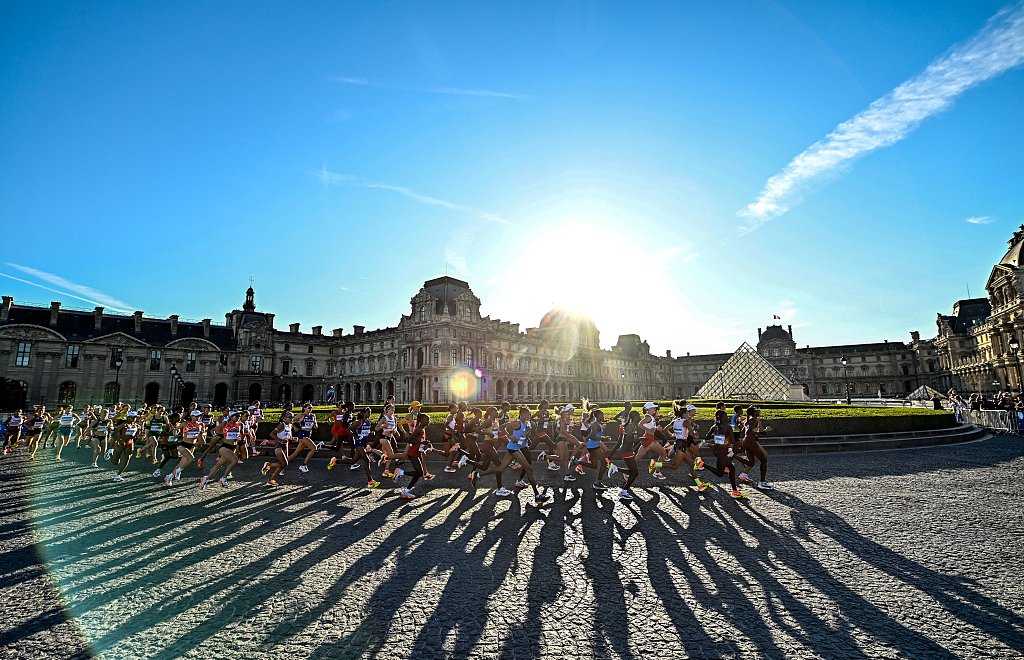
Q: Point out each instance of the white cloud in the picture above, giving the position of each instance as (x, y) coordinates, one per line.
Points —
(344, 288)
(997, 47)
(328, 178)
(349, 80)
(459, 91)
(85, 293)
(453, 91)
(980, 220)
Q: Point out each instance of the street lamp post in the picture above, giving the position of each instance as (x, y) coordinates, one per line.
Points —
(1014, 348)
(721, 381)
(295, 378)
(846, 376)
(174, 384)
(118, 362)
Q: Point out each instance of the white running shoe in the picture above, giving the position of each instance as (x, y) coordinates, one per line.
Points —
(177, 474)
(223, 482)
(399, 472)
(449, 468)
(503, 492)
(169, 479)
(463, 461)
(156, 472)
(514, 465)
(117, 477)
(407, 494)
(303, 468)
(202, 482)
(625, 494)
(521, 483)
(658, 475)
(355, 466)
(765, 485)
(613, 469)
(108, 454)
(542, 456)
(553, 466)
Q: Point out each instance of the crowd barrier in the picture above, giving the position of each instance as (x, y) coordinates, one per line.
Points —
(998, 420)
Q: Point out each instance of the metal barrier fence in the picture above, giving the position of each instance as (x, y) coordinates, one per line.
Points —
(997, 420)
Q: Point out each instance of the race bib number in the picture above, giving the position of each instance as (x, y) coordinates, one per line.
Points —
(66, 420)
(191, 434)
(231, 435)
(719, 439)
(129, 431)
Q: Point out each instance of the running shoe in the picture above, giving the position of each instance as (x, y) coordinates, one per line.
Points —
(428, 476)
(398, 473)
(96, 466)
(580, 470)
(521, 484)
(273, 483)
(303, 468)
(553, 466)
(266, 468)
(542, 456)
(503, 492)
(117, 477)
(138, 454)
(108, 454)
(739, 495)
(462, 461)
(223, 481)
(650, 467)
(169, 479)
(568, 477)
(698, 464)
(319, 445)
(472, 477)
(454, 448)
(355, 466)
(744, 478)
(765, 485)
(450, 468)
(199, 464)
(406, 494)
(599, 486)
(331, 463)
(177, 474)
(613, 469)
(514, 465)
(541, 499)
(202, 481)
(389, 475)
(625, 494)
(703, 485)
(658, 475)
(373, 484)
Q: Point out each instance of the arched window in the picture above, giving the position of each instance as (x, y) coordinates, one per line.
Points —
(111, 393)
(423, 312)
(66, 392)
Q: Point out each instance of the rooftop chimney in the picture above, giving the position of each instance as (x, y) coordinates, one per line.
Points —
(98, 317)
(54, 311)
(318, 330)
(790, 328)
(668, 354)
(138, 322)
(174, 325)
(337, 332)
(293, 328)
(206, 328)
(759, 334)
(358, 329)
(5, 311)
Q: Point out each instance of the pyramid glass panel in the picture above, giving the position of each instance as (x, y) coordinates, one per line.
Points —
(746, 375)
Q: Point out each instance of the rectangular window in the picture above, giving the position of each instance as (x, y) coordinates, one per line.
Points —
(24, 354)
(71, 357)
(330, 368)
(437, 358)
(154, 360)
(309, 349)
(115, 355)
(455, 356)
(286, 366)
(190, 361)
(256, 363)
(309, 367)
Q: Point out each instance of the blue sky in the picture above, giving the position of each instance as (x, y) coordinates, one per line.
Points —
(654, 165)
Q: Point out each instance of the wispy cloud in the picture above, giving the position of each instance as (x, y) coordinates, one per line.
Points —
(83, 293)
(453, 91)
(980, 220)
(328, 178)
(339, 115)
(997, 47)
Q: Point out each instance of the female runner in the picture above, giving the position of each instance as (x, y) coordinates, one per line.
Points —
(722, 441)
(518, 432)
(67, 420)
(307, 424)
(38, 421)
(755, 452)
(387, 427)
(415, 455)
(488, 445)
(687, 442)
(629, 434)
(281, 436)
(169, 441)
(542, 436)
(85, 422)
(649, 442)
(566, 441)
(363, 436)
(124, 443)
(100, 433)
(192, 435)
(13, 435)
(597, 453)
(231, 435)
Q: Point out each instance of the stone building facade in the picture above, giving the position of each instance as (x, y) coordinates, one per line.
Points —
(980, 342)
(442, 350)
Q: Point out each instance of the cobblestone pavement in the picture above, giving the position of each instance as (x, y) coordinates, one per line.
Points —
(888, 554)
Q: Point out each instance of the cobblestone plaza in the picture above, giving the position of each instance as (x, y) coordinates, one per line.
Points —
(883, 554)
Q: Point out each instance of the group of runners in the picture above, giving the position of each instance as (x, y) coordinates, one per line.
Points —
(487, 441)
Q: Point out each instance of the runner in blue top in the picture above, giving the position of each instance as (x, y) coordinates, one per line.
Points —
(518, 439)
(600, 455)
(307, 425)
(362, 429)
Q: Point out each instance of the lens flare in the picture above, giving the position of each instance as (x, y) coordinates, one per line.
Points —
(463, 385)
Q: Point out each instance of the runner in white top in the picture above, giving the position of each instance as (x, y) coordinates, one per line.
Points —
(67, 421)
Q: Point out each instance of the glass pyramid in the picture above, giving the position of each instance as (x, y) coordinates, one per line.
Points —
(747, 375)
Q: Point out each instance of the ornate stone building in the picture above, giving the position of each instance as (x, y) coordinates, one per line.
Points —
(980, 342)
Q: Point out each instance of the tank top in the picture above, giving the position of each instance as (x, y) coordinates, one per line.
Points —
(232, 431)
(192, 430)
(519, 435)
(67, 420)
(307, 422)
(285, 434)
(390, 425)
(365, 427)
(679, 428)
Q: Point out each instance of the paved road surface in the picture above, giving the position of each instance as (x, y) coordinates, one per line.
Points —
(889, 554)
